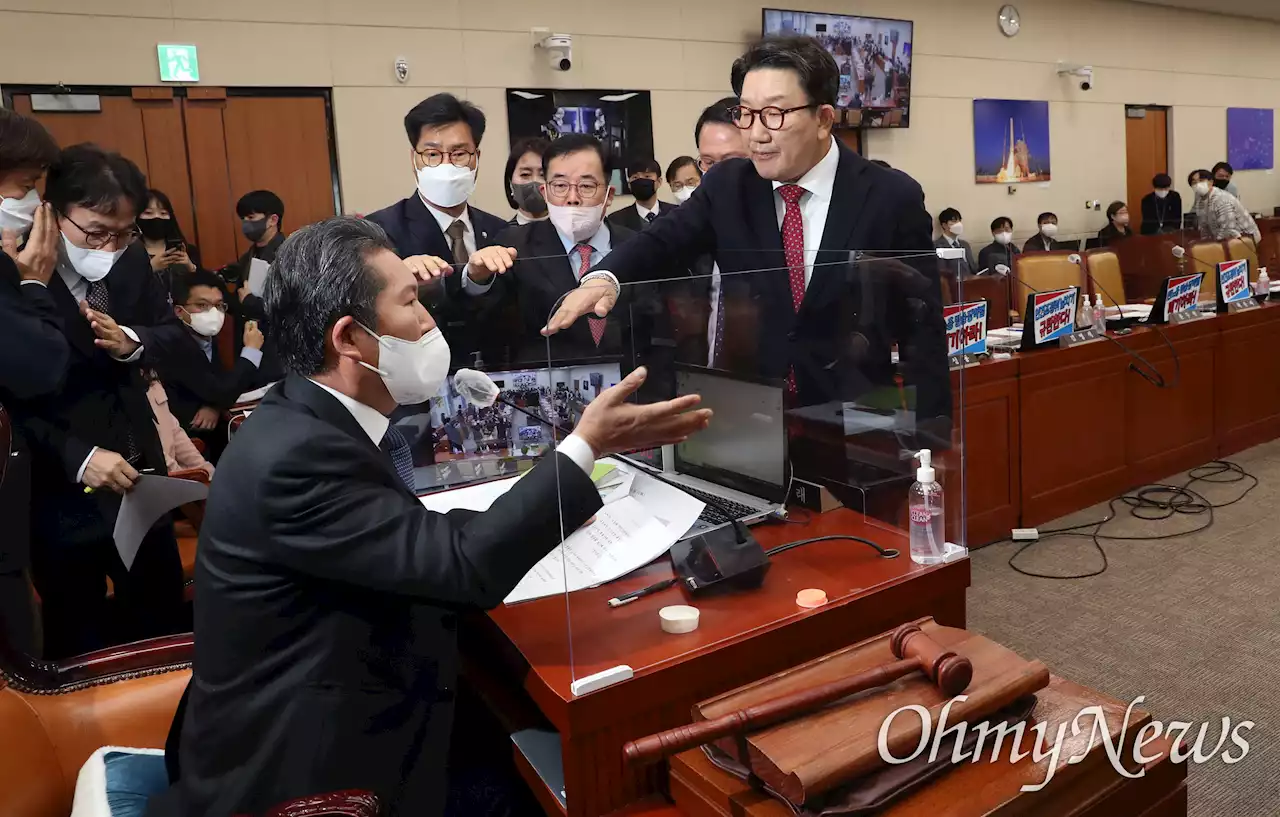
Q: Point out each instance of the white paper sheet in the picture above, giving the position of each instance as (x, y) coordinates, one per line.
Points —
(257, 276)
(151, 498)
(1129, 311)
(254, 395)
(471, 498)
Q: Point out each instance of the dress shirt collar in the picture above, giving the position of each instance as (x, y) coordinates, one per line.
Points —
(645, 211)
(373, 422)
(445, 220)
(205, 344)
(521, 218)
(821, 178)
(599, 242)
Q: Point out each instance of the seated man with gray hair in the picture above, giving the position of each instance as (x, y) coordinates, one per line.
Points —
(326, 650)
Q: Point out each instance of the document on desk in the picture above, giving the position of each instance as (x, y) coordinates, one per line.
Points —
(254, 395)
(151, 498)
(257, 276)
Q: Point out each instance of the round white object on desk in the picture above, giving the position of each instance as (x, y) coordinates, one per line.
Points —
(679, 618)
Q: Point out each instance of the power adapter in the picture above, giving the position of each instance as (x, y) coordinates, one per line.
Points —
(1025, 534)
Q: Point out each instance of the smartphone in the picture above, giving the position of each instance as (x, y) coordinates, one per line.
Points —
(174, 244)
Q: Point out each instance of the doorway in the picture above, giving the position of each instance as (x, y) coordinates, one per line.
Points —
(206, 147)
(1146, 150)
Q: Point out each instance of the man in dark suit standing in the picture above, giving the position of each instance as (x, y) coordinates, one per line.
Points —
(261, 214)
(792, 215)
(436, 223)
(98, 432)
(551, 256)
(200, 388)
(326, 634)
(33, 351)
(644, 177)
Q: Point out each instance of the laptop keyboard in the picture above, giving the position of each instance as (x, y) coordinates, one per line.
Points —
(713, 515)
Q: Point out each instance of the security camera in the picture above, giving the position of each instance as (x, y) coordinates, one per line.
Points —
(559, 48)
(1085, 72)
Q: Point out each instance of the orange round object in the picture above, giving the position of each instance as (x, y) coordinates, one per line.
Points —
(811, 598)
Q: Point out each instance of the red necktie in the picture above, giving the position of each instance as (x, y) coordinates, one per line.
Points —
(793, 250)
(597, 324)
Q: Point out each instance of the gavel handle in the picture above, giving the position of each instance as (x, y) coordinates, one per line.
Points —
(762, 715)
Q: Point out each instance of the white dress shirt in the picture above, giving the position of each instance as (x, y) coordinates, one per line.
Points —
(814, 204)
(714, 320)
(645, 211)
(375, 424)
(521, 218)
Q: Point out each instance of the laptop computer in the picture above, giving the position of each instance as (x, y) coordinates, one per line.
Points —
(739, 462)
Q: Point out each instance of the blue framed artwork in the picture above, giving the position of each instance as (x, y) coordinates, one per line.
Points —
(1251, 136)
(1010, 141)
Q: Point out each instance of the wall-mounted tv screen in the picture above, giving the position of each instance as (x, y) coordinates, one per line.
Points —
(874, 58)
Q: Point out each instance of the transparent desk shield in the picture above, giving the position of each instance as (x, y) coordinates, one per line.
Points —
(825, 387)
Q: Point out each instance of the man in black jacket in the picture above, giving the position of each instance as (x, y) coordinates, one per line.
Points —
(200, 387)
(644, 177)
(33, 350)
(326, 634)
(1162, 207)
(98, 431)
(437, 223)
(261, 214)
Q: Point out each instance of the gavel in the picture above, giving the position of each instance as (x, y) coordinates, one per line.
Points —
(916, 651)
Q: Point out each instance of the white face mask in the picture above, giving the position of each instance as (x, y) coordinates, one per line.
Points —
(1049, 229)
(207, 324)
(412, 370)
(1203, 188)
(577, 222)
(682, 195)
(1160, 194)
(19, 214)
(1004, 238)
(446, 185)
(93, 265)
(957, 229)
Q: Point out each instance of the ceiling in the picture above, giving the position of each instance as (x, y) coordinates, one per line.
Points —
(1262, 9)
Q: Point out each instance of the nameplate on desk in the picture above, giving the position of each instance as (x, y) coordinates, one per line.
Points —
(1188, 316)
(1079, 337)
(963, 361)
(812, 497)
(1242, 306)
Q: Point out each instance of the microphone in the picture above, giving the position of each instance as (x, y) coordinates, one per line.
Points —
(1154, 377)
(476, 387)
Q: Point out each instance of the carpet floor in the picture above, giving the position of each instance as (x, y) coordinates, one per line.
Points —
(1192, 623)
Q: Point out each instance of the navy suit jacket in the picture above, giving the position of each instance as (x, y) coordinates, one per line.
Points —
(414, 231)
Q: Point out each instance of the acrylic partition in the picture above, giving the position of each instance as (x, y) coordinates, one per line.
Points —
(824, 393)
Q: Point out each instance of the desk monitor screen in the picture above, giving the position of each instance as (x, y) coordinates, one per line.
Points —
(745, 446)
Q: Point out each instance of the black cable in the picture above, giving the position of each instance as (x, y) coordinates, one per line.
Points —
(888, 553)
(1153, 503)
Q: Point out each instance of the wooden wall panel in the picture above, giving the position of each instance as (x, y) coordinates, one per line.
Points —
(118, 126)
(211, 192)
(167, 158)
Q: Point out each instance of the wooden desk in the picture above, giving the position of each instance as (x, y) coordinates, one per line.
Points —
(992, 432)
(741, 637)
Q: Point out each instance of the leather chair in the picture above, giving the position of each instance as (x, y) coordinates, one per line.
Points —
(1243, 248)
(1206, 256)
(1042, 271)
(1104, 266)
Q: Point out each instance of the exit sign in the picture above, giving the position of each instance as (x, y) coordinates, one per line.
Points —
(178, 63)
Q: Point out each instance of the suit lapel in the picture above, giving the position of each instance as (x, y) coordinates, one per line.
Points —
(77, 329)
(425, 231)
(546, 244)
(848, 197)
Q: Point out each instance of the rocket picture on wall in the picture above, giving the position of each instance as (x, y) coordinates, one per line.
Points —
(1010, 141)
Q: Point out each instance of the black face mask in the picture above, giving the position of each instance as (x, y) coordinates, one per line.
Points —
(254, 230)
(643, 189)
(1221, 184)
(155, 229)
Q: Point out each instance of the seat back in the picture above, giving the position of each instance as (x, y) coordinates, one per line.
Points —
(1104, 267)
(1243, 248)
(1206, 256)
(1042, 271)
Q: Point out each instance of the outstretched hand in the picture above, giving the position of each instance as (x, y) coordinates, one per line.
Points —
(594, 297)
(611, 424)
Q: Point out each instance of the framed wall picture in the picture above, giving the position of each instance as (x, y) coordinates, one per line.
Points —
(1251, 137)
(1010, 141)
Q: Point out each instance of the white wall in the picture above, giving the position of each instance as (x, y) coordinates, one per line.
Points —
(1198, 63)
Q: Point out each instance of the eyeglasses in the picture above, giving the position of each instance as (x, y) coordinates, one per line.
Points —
(193, 308)
(676, 187)
(96, 239)
(586, 190)
(458, 158)
(771, 116)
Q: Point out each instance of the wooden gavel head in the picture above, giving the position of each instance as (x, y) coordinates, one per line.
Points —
(952, 673)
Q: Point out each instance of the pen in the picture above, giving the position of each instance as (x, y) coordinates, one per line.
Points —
(627, 598)
(130, 461)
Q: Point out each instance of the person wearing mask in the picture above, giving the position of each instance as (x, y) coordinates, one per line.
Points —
(524, 180)
(800, 205)
(201, 389)
(327, 622)
(1043, 241)
(683, 177)
(163, 240)
(1222, 173)
(436, 229)
(558, 252)
(1001, 251)
(1117, 223)
(716, 136)
(33, 350)
(1162, 207)
(644, 176)
(1221, 216)
(261, 214)
(952, 230)
(97, 432)
(180, 453)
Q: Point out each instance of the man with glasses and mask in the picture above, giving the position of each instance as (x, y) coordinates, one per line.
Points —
(200, 388)
(91, 439)
(798, 207)
(550, 257)
(436, 228)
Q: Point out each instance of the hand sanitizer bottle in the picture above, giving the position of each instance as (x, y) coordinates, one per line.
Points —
(1099, 315)
(925, 511)
(1263, 286)
(1086, 315)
